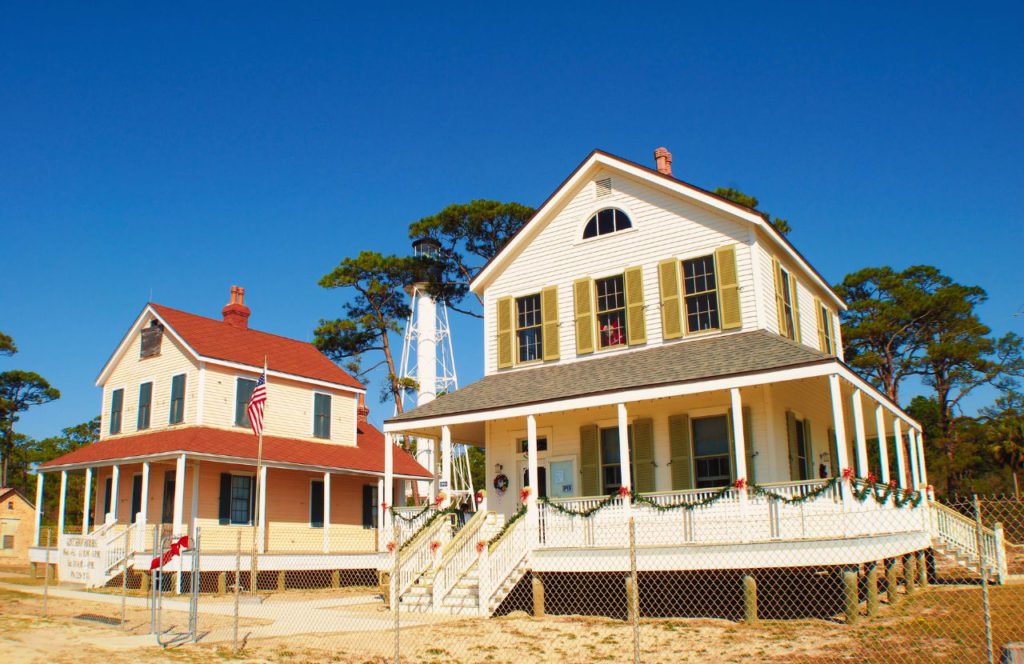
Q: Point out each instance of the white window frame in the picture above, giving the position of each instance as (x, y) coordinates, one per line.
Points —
(610, 202)
(540, 327)
(597, 315)
(124, 404)
(255, 502)
(687, 332)
(703, 414)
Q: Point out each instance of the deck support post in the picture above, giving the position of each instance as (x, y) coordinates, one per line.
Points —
(39, 507)
(883, 445)
(144, 581)
(86, 499)
(922, 569)
(280, 581)
(61, 505)
(860, 437)
(538, 596)
(750, 599)
(872, 580)
(631, 599)
(336, 579)
(891, 581)
(851, 598)
(222, 583)
(909, 573)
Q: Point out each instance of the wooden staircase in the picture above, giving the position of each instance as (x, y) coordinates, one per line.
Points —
(955, 539)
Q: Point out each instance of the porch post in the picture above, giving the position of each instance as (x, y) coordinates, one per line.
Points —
(86, 499)
(327, 512)
(627, 480)
(195, 499)
(739, 442)
(115, 482)
(446, 464)
(839, 422)
(922, 467)
(143, 509)
(901, 462)
(385, 486)
(883, 443)
(531, 455)
(179, 496)
(860, 440)
(915, 473)
(60, 508)
(263, 510)
(39, 505)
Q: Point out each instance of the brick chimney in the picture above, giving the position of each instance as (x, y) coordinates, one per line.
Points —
(235, 313)
(362, 412)
(663, 159)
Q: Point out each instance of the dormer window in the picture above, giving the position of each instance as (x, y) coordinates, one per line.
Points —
(609, 220)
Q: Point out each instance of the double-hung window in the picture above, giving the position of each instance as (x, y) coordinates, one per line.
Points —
(803, 452)
(828, 344)
(701, 292)
(241, 499)
(528, 328)
(145, 405)
(243, 392)
(116, 406)
(316, 504)
(611, 468)
(787, 304)
(611, 311)
(177, 399)
(711, 451)
(321, 415)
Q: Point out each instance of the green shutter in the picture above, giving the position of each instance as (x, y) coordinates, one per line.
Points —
(780, 298)
(549, 319)
(679, 449)
(822, 331)
(636, 326)
(794, 285)
(671, 302)
(794, 451)
(506, 332)
(116, 407)
(224, 511)
(177, 413)
(748, 434)
(145, 404)
(583, 304)
(833, 452)
(811, 469)
(643, 455)
(728, 288)
(322, 415)
(590, 460)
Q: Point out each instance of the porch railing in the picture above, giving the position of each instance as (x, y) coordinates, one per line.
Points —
(411, 519)
(418, 556)
(458, 556)
(502, 560)
(960, 533)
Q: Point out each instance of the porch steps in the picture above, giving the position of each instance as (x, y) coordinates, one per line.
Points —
(955, 556)
(506, 587)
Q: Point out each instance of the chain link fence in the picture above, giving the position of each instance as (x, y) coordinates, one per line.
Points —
(828, 571)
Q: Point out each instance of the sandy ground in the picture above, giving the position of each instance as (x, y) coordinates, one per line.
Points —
(939, 624)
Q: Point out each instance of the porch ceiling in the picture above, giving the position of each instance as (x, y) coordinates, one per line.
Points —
(713, 357)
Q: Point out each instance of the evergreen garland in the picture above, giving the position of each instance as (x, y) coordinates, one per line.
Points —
(410, 519)
(681, 504)
(508, 524)
(426, 524)
(795, 500)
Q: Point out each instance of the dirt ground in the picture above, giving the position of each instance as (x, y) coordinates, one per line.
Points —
(939, 624)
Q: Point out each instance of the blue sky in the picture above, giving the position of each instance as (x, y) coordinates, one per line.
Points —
(175, 151)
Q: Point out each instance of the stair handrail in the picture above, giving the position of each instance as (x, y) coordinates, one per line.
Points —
(118, 548)
(503, 557)
(959, 531)
(416, 556)
(458, 556)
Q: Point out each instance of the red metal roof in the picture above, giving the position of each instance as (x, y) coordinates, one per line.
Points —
(216, 339)
(366, 455)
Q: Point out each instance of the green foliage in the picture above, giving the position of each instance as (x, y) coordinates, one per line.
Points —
(746, 200)
(470, 235)
(7, 346)
(19, 391)
(377, 308)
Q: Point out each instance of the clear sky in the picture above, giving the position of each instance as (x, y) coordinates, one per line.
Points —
(177, 150)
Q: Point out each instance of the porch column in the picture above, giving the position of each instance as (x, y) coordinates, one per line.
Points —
(923, 467)
(384, 535)
(141, 538)
(263, 510)
(179, 496)
(39, 505)
(627, 479)
(386, 484)
(195, 499)
(915, 474)
(531, 456)
(839, 423)
(63, 499)
(446, 464)
(883, 443)
(115, 482)
(860, 437)
(739, 441)
(327, 512)
(86, 500)
(901, 462)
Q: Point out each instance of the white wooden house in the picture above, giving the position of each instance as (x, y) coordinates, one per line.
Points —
(650, 344)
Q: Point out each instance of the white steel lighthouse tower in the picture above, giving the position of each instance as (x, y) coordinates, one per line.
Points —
(428, 361)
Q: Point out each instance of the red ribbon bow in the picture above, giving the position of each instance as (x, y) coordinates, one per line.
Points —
(847, 473)
(173, 551)
(741, 483)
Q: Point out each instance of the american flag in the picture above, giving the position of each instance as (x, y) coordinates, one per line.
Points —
(256, 403)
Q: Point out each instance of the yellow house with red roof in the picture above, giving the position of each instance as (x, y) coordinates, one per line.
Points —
(177, 455)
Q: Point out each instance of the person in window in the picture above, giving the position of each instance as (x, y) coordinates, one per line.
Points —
(613, 333)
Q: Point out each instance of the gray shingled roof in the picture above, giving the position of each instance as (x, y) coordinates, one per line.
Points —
(680, 362)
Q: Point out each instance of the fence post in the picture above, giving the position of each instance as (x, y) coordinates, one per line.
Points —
(1000, 552)
(984, 581)
(238, 585)
(634, 596)
(124, 580)
(395, 586)
(46, 575)
(483, 567)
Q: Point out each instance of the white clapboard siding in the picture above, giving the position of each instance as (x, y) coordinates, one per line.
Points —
(289, 409)
(132, 371)
(663, 226)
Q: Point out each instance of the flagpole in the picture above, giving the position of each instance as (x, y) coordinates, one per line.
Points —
(255, 571)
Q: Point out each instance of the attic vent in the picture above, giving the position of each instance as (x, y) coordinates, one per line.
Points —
(603, 187)
(151, 338)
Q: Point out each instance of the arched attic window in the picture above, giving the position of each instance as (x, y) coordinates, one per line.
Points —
(608, 220)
